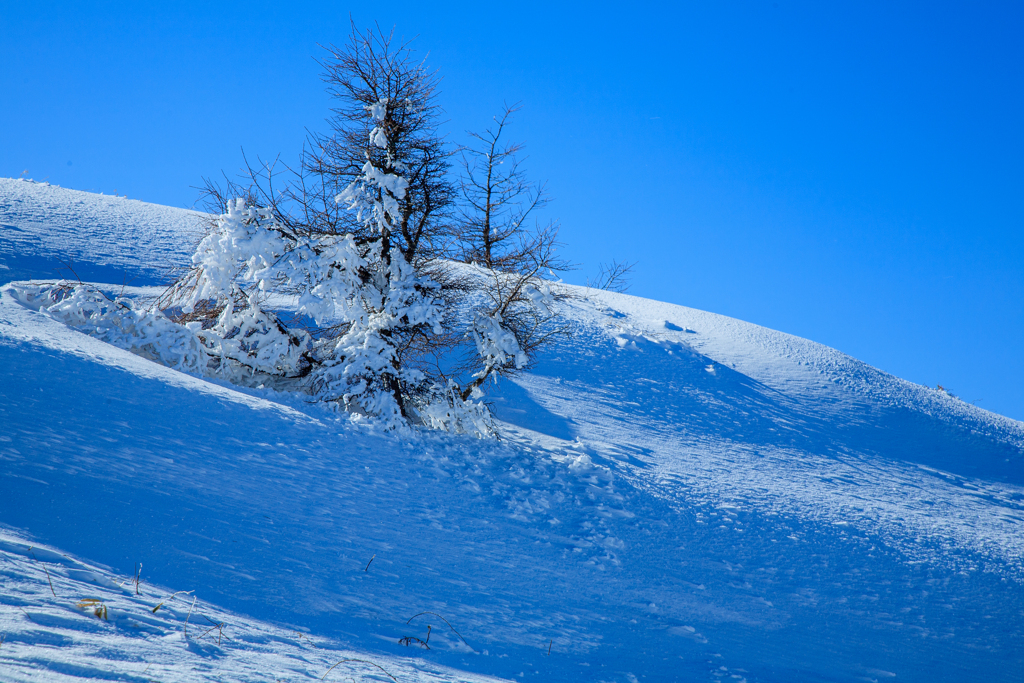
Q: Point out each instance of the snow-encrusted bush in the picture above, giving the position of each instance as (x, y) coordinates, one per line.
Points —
(149, 334)
(447, 410)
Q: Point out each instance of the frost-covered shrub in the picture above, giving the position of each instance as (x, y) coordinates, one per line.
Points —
(247, 339)
(515, 315)
(147, 333)
(249, 247)
(447, 410)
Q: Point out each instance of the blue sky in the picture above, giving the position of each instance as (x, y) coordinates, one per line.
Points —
(846, 172)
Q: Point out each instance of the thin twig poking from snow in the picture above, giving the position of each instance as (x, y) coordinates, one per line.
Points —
(445, 621)
(185, 627)
(364, 662)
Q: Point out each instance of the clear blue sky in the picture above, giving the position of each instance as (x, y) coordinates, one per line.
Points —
(852, 173)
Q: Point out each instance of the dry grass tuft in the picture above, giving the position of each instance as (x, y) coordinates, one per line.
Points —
(98, 608)
(48, 579)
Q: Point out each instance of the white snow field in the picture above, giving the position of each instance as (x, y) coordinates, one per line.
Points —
(676, 496)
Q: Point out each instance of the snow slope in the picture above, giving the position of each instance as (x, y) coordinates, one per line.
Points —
(51, 232)
(677, 496)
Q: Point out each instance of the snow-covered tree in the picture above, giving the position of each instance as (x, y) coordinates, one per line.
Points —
(387, 167)
(396, 302)
(363, 236)
(359, 235)
(363, 299)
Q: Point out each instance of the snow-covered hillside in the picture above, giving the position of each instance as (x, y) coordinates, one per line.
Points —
(51, 232)
(676, 496)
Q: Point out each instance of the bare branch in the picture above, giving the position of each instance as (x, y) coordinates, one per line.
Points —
(613, 277)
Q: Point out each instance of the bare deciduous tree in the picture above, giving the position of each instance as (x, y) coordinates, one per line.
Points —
(495, 233)
(499, 203)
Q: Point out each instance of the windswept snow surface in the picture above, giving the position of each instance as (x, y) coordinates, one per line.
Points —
(677, 496)
(48, 231)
